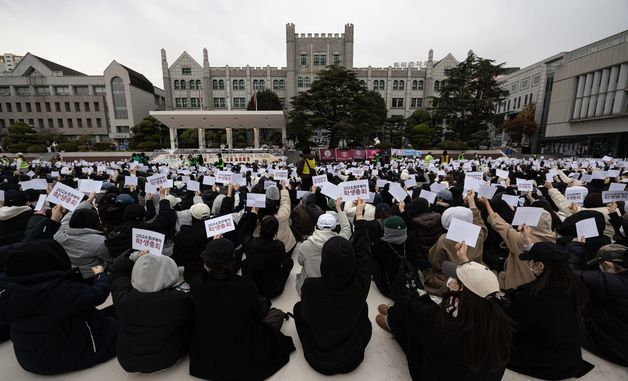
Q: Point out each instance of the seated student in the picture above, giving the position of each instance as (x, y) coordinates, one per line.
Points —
(466, 338)
(332, 316)
(606, 319)
(14, 215)
(547, 314)
(55, 326)
(444, 250)
(266, 259)
(155, 318)
(190, 242)
(234, 338)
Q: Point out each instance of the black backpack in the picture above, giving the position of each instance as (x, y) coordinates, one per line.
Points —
(407, 277)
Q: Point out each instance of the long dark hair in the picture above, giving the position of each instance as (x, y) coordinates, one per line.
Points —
(562, 273)
(269, 227)
(481, 327)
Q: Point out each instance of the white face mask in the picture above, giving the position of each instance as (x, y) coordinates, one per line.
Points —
(451, 283)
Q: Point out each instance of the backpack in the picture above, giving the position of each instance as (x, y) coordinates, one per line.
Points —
(407, 277)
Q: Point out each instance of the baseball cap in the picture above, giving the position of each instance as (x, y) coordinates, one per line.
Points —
(125, 199)
(326, 221)
(614, 252)
(444, 194)
(172, 200)
(549, 253)
(478, 278)
(200, 211)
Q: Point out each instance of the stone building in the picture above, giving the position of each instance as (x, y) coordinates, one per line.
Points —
(191, 85)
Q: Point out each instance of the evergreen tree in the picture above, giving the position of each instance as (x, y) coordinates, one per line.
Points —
(266, 100)
(146, 135)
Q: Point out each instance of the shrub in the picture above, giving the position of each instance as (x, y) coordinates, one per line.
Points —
(83, 148)
(102, 146)
(35, 148)
(454, 144)
(149, 146)
(18, 147)
(67, 147)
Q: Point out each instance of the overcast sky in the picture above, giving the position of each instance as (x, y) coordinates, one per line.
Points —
(88, 35)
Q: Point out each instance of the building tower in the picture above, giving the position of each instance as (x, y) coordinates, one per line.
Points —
(166, 77)
(348, 51)
(291, 57)
(207, 90)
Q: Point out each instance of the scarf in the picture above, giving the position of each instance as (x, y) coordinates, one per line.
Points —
(395, 236)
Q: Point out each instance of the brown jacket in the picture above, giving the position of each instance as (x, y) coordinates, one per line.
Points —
(445, 250)
(517, 272)
(284, 234)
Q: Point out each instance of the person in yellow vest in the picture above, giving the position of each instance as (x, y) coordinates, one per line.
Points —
(306, 168)
(22, 164)
(444, 157)
(428, 158)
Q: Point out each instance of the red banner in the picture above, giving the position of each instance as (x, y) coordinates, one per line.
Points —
(344, 155)
(327, 155)
(359, 154)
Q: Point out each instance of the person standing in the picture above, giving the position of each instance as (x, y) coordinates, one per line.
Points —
(306, 168)
(220, 164)
(444, 157)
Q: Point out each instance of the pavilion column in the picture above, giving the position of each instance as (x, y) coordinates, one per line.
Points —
(201, 138)
(256, 137)
(283, 135)
(173, 138)
(229, 132)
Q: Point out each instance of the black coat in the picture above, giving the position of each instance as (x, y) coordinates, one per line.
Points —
(154, 327)
(231, 342)
(546, 342)
(266, 260)
(189, 243)
(12, 229)
(332, 317)
(55, 327)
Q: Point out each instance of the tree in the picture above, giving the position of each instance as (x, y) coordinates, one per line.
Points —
(521, 125)
(266, 100)
(336, 101)
(22, 137)
(189, 138)
(149, 134)
(421, 136)
(468, 96)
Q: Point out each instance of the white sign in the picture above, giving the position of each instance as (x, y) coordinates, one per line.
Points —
(193, 186)
(223, 177)
(89, 186)
(501, 173)
(1, 195)
(281, 174)
(209, 180)
(332, 191)
(437, 187)
(487, 192)
(30, 173)
(219, 225)
(460, 230)
(575, 196)
(381, 183)
(616, 187)
(65, 196)
(410, 182)
(36, 184)
(476, 175)
(40, 202)
(130, 180)
(256, 200)
(156, 181)
(54, 174)
(269, 183)
(352, 190)
(429, 196)
(614, 196)
(320, 180)
(397, 192)
(148, 240)
(524, 185)
(471, 183)
(300, 194)
(587, 228)
(527, 215)
(357, 172)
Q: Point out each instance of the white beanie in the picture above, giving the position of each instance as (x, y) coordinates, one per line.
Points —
(459, 212)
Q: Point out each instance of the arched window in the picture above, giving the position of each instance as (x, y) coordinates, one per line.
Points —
(362, 83)
(282, 84)
(176, 84)
(255, 84)
(307, 82)
(375, 85)
(275, 84)
(437, 85)
(235, 84)
(192, 83)
(300, 82)
(198, 84)
(395, 85)
(241, 83)
(262, 84)
(120, 110)
(415, 85)
(221, 85)
(402, 85)
(183, 84)
(215, 84)
(381, 84)
(420, 85)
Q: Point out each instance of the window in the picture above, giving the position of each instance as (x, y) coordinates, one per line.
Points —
(184, 102)
(89, 123)
(99, 90)
(238, 84)
(50, 123)
(23, 90)
(525, 100)
(300, 82)
(86, 106)
(320, 59)
(40, 123)
(508, 108)
(306, 81)
(303, 59)
(31, 122)
(282, 84)
(119, 99)
(70, 123)
(530, 99)
(336, 58)
(2, 124)
(275, 84)
(5, 91)
(96, 106)
(192, 84)
(60, 123)
(525, 83)
(241, 83)
(58, 106)
(415, 85)
(255, 84)
(67, 106)
(77, 106)
(375, 85)
(37, 107)
(536, 80)
(221, 85)
(519, 103)
(362, 83)
(402, 85)
(195, 102)
(186, 70)
(28, 107)
(98, 122)
(9, 108)
(183, 84)
(397, 102)
(198, 85)
(395, 85)
(18, 107)
(283, 102)
(416, 102)
(513, 87)
(42, 90)
(215, 84)
(420, 85)
(79, 123)
(122, 129)
(437, 85)
(239, 102)
(81, 90)
(262, 84)
(62, 90)
(176, 84)
(235, 85)
(219, 103)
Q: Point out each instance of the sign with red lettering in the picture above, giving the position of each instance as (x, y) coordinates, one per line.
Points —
(65, 196)
(219, 225)
(148, 240)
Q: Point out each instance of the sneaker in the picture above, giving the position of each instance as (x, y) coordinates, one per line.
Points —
(382, 321)
(383, 309)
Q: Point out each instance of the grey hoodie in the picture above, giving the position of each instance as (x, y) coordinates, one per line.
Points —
(152, 273)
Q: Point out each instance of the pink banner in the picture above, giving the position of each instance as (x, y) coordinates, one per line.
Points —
(327, 155)
(359, 154)
(371, 153)
(344, 155)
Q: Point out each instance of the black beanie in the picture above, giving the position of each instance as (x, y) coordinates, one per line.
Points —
(133, 212)
(219, 250)
(36, 257)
